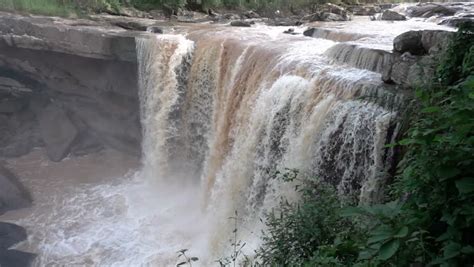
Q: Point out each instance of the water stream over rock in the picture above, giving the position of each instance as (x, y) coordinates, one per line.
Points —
(221, 110)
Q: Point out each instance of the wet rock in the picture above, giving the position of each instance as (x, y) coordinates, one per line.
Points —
(325, 16)
(11, 234)
(284, 22)
(11, 105)
(290, 31)
(193, 17)
(13, 194)
(16, 258)
(240, 23)
(230, 16)
(458, 20)
(309, 32)
(427, 10)
(57, 131)
(250, 15)
(409, 42)
(392, 15)
(131, 25)
(364, 10)
(154, 29)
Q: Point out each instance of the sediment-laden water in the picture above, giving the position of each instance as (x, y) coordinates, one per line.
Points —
(222, 109)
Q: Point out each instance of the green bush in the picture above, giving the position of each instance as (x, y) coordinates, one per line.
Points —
(311, 232)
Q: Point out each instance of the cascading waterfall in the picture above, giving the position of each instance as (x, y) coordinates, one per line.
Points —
(360, 57)
(226, 113)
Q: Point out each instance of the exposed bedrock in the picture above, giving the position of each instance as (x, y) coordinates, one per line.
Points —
(411, 62)
(71, 87)
(415, 57)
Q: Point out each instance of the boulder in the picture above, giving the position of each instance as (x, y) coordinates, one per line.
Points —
(409, 42)
(392, 15)
(240, 23)
(11, 234)
(13, 194)
(290, 31)
(57, 131)
(16, 258)
(155, 29)
(434, 41)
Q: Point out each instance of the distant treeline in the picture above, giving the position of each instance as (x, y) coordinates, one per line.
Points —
(66, 7)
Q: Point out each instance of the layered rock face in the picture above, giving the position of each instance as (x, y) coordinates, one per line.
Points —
(415, 57)
(68, 86)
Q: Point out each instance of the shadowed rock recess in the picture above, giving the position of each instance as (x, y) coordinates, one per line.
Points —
(70, 88)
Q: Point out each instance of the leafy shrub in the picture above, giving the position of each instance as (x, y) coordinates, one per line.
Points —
(310, 232)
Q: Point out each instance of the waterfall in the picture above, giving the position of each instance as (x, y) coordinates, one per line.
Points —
(360, 57)
(225, 110)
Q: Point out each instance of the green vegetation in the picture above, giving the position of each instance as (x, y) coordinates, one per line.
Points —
(429, 219)
(69, 7)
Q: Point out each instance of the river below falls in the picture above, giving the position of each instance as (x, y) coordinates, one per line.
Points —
(104, 210)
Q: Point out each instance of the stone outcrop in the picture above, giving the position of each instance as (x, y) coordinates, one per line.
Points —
(70, 86)
(12, 193)
(415, 57)
(84, 38)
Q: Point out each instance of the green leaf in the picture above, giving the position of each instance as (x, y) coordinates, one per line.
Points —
(431, 109)
(389, 249)
(403, 232)
(465, 185)
(452, 250)
(377, 238)
(467, 250)
(446, 173)
(351, 211)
